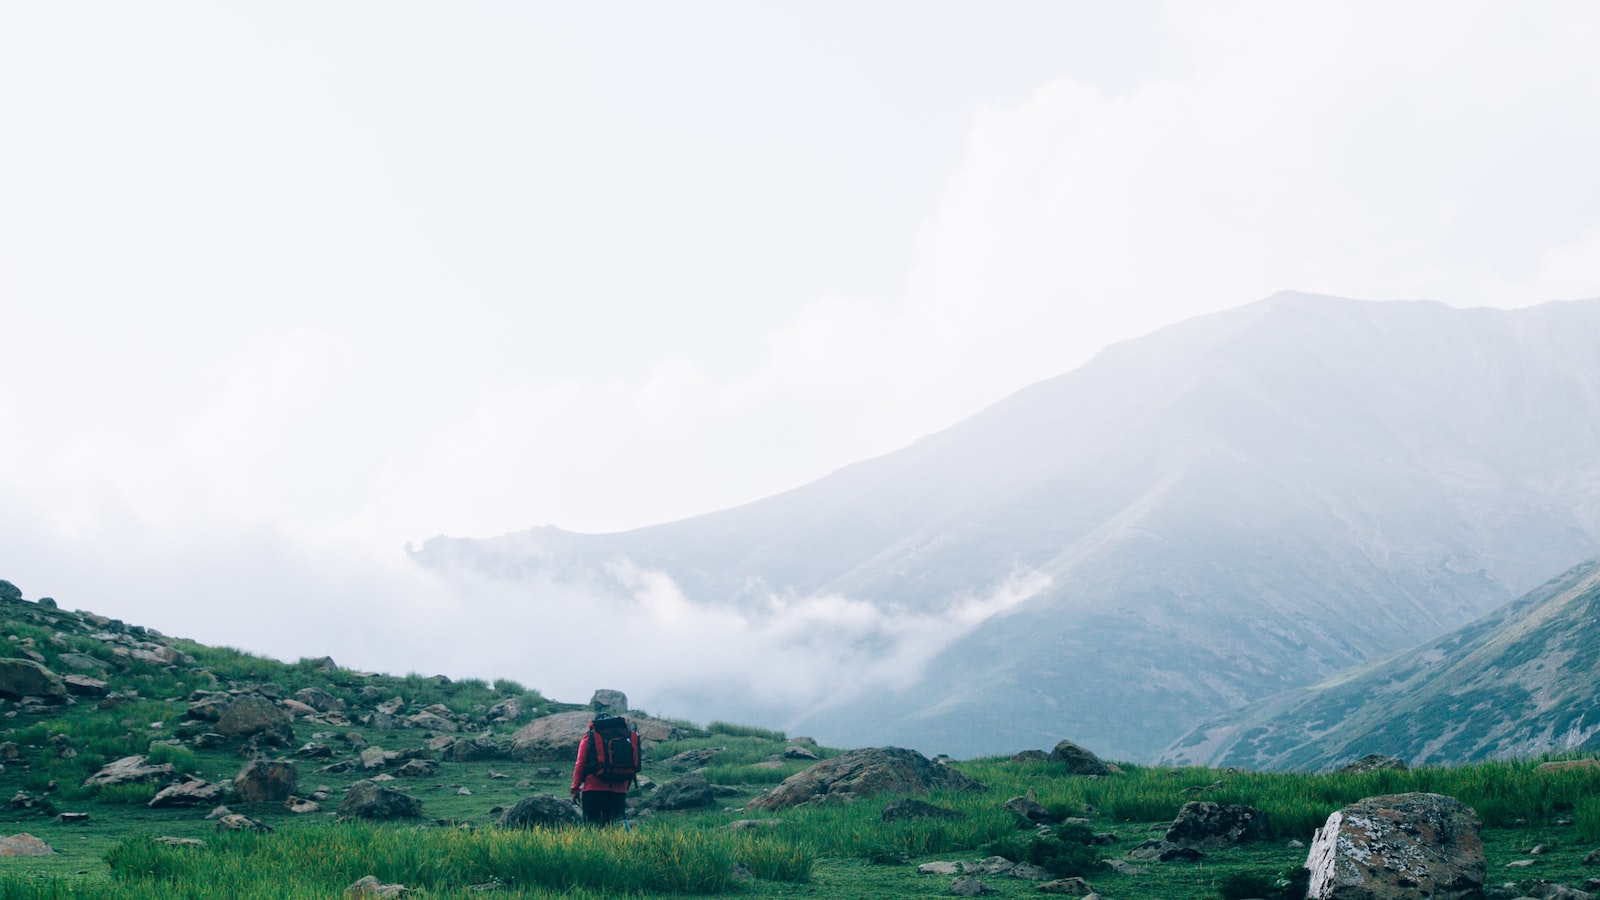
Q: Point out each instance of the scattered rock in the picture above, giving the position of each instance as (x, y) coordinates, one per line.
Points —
(171, 841)
(862, 773)
(1592, 858)
(319, 700)
(993, 865)
(1373, 762)
(267, 781)
(1069, 887)
(540, 809)
(1079, 761)
(24, 844)
(1417, 845)
(129, 770)
(939, 868)
(689, 792)
(968, 886)
(802, 753)
(218, 813)
(366, 800)
(208, 706)
(1029, 811)
(238, 822)
(84, 686)
(370, 886)
(300, 805)
(1165, 851)
(430, 722)
(254, 716)
(72, 818)
(1206, 825)
(1521, 863)
(189, 792)
(1028, 872)
(1030, 756)
(556, 737)
(901, 810)
(507, 711)
(690, 759)
(417, 768)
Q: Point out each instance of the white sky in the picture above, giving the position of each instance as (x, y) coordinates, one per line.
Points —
(284, 286)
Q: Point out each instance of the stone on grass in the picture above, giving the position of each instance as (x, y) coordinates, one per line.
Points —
(689, 792)
(267, 781)
(968, 886)
(1079, 761)
(189, 792)
(129, 770)
(252, 715)
(1374, 762)
(1028, 811)
(25, 678)
(366, 800)
(1067, 887)
(1398, 845)
(240, 822)
(1206, 825)
(370, 886)
(24, 844)
(863, 773)
(300, 805)
(556, 737)
(547, 810)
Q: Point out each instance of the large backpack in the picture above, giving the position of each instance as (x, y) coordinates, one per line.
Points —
(613, 749)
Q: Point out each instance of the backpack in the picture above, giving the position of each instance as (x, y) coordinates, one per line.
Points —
(613, 749)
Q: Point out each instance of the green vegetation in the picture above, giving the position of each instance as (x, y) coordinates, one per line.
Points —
(835, 850)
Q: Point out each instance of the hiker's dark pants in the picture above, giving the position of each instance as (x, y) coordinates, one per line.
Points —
(601, 807)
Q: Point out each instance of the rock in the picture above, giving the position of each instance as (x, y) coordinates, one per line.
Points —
(1031, 812)
(689, 792)
(994, 865)
(754, 825)
(296, 709)
(9, 592)
(370, 886)
(939, 868)
(1165, 851)
(366, 800)
(430, 722)
(1069, 887)
(319, 700)
(1553, 891)
(72, 818)
(209, 706)
(24, 844)
(417, 768)
(473, 749)
(1078, 761)
(863, 773)
(238, 822)
(314, 750)
(1521, 863)
(1030, 756)
(129, 770)
(1398, 845)
(901, 810)
(300, 805)
(209, 741)
(690, 759)
(556, 737)
(267, 781)
(392, 706)
(802, 753)
(84, 686)
(25, 678)
(1124, 868)
(171, 841)
(511, 710)
(967, 886)
(83, 661)
(1569, 765)
(191, 792)
(609, 701)
(1592, 858)
(541, 809)
(1028, 872)
(1373, 762)
(253, 715)
(1206, 825)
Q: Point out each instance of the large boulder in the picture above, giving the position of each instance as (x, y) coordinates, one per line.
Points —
(863, 773)
(267, 781)
(24, 844)
(556, 737)
(1206, 825)
(191, 792)
(1398, 846)
(25, 678)
(606, 700)
(366, 800)
(253, 715)
(688, 792)
(545, 810)
(1079, 761)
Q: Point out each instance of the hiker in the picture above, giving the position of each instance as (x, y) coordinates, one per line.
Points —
(608, 764)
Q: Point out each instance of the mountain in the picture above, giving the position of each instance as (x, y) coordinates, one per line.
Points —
(1521, 681)
(1225, 509)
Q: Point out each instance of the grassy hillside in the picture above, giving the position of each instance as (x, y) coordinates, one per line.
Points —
(455, 850)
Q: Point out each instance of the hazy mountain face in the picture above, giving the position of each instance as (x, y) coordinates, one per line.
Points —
(1234, 506)
(1520, 681)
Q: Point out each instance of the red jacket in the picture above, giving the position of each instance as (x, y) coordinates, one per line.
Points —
(581, 782)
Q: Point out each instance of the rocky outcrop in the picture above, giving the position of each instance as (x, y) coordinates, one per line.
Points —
(366, 800)
(609, 701)
(1205, 825)
(25, 678)
(24, 844)
(190, 792)
(1398, 845)
(267, 781)
(1079, 761)
(545, 810)
(863, 773)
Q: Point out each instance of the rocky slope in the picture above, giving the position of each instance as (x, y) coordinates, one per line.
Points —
(1195, 520)
(1521, 681)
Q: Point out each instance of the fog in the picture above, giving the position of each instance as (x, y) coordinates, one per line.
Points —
(283, 289)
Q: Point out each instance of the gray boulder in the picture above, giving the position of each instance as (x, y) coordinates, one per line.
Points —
(556, 737)
(1079, 761)
(1206, 825)
(267, 781)
(863, 773)
(129, 770)
(1398, 845)
(253, 715)
(366, 800)
(609, 701)
(688, 792)
(25, 678)
(545, 810)
(190, 792)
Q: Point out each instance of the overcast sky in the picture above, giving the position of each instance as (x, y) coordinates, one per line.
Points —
(285, 286)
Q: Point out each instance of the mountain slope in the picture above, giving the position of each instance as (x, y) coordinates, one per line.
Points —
(1518, 682)
(1233, 506)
